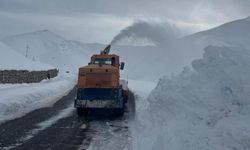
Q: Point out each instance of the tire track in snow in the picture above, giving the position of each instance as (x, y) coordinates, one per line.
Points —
(42, 126)
(13, 131)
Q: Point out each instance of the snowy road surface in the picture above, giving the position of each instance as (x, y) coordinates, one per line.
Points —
(58, 127)
(16, 100)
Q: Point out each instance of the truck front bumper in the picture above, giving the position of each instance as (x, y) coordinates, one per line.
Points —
(97, 104)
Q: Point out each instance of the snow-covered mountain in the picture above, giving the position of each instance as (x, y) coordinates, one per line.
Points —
(47, 47)
(12, 60)
(235, 33)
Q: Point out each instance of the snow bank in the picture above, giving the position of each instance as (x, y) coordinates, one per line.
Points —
(19, 99)
(11, 60)
(205, 108)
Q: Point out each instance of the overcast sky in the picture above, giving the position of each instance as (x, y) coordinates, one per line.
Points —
(100, 20)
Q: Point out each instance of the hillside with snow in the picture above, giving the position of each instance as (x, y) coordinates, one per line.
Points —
(50, 48)
(235, 33)
(12, 60)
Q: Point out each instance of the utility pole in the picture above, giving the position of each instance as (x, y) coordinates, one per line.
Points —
(27, 51)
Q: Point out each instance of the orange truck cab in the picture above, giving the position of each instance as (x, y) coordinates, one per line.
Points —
(99, 86)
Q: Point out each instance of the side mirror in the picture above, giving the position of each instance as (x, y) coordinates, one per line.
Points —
(122, 65)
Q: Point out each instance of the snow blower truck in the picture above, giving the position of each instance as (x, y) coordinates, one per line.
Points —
(99, 87)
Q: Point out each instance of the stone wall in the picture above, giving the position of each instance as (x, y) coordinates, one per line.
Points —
(25, 76)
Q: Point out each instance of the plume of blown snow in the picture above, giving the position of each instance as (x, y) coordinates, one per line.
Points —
(158, 33)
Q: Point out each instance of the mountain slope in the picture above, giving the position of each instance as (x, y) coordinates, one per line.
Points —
(11, 60)
(47, 47)
(235, 33)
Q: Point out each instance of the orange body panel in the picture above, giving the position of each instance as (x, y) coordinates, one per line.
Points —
(100, 76)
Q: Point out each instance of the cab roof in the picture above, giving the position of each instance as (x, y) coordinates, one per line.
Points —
(104, 55)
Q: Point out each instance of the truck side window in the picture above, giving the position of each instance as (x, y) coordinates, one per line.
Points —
(113, 61)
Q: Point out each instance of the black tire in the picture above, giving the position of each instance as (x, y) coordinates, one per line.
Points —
(79, 112)
(131, 104)
(86, 112)
(119, 112)
(82, 112)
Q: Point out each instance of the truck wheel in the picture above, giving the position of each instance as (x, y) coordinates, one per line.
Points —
(119, 112)
(82, 112)
(79, 112)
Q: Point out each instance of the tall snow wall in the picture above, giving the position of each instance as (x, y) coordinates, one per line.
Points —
(206, 107)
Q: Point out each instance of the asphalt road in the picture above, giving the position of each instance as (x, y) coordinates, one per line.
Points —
(59, 128)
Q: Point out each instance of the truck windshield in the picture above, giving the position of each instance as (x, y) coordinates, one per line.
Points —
(103, 61)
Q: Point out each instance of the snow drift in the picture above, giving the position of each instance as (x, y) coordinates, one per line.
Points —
(207, 107)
